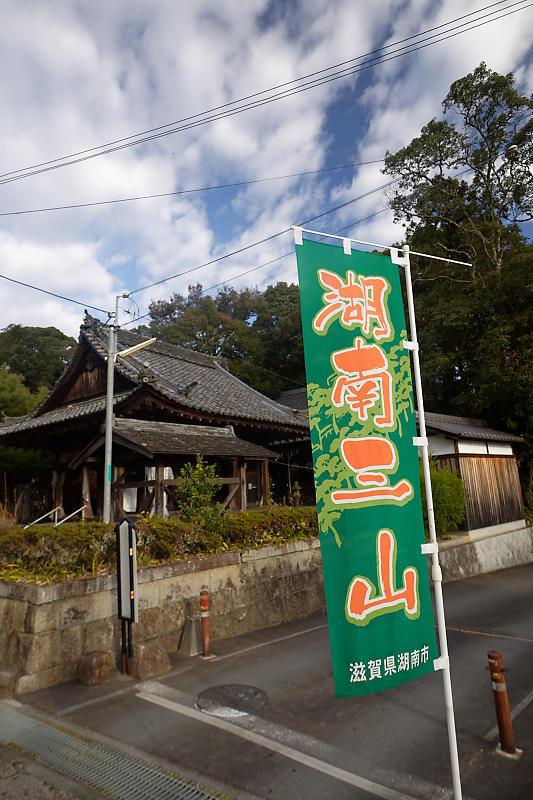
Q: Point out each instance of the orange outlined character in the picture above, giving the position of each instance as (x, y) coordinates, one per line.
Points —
(367, 456)
(362, 602)
(359, 301)
(365, 378)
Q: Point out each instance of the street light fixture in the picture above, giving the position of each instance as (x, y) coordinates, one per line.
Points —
(109, 416)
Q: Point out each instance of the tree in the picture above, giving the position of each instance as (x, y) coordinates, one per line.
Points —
(464, 187)
(470, 179)
(258, 333)
(39, 355)
(15, 398)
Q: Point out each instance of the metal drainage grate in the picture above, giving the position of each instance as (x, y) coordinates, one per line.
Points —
(232, 700)
(118, 775)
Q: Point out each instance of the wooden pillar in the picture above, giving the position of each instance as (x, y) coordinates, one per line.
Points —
(86, 491)
(119, 474)
(159, 489)
(265, 482)
(244, 486)
(235, 500)
(58, 478)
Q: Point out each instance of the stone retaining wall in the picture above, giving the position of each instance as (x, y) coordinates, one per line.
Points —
(44, 630)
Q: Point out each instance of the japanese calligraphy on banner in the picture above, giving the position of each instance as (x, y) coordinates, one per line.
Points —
(362, 422)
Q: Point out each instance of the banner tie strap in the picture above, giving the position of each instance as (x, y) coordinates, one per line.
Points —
(420, 441)
(441, 663)
(298, 238)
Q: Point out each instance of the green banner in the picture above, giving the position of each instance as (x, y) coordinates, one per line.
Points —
(367, 482)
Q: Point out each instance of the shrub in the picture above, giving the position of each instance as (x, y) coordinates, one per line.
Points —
(271, 524)
(54, 553)
(43, 553)
(196, 488)
(448, 498)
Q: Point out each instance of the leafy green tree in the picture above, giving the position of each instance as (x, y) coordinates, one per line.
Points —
(258, 334)
(38, 354)
(464, 186)
(15, 397)
(470, 178)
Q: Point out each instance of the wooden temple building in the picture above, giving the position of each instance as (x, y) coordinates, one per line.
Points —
(170, 404)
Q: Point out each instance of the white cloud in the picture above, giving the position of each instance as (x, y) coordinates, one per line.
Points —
(85, 73)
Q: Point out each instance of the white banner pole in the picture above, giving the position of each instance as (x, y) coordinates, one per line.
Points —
(436, 573)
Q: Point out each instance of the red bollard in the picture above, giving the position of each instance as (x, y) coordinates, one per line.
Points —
(501, 703)
(206, 629)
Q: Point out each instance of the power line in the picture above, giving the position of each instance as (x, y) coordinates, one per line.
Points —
(233, 185)
(271, 261)
(201, 119)
(262, 241)
(251, 96)
(53, 294)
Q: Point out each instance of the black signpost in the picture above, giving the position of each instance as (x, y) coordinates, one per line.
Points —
(126, 535)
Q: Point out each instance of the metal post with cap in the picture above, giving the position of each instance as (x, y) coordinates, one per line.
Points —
(432, 547)
(109, 416)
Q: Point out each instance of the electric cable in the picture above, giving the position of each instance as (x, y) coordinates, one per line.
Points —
(468, 26)
(267, 263)
(53, 294)
(262, 241)
(233, 185)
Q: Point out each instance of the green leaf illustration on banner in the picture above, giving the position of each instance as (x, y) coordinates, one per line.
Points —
(362, 422)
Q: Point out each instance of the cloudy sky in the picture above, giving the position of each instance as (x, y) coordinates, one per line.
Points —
(82, 73)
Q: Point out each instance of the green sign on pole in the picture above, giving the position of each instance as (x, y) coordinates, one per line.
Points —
(367, 483)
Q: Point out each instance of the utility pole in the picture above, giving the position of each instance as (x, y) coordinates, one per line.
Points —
(111, 350)
(109, 415)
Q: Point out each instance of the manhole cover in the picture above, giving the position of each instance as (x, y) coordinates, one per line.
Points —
(232, 700)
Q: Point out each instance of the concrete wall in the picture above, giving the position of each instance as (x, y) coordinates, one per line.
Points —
(44, 630)
(476, 554)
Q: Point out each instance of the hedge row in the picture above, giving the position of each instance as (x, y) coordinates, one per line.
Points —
(43, 554)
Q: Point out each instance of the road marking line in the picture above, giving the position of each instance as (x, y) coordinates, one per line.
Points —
(490, 635)
(493, 733)
(288, 752)
(272, 641)
(126, 690)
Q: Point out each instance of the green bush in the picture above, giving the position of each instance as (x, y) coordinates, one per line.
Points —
(43, 553)
(271, 524)
(448, 498)
(196, 488)
(51, 553)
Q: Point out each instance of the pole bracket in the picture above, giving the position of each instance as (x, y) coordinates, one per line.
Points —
(420, 441)
(410, 345)
(429, 547)
(298, 238)
(441, 663)
(396, 258)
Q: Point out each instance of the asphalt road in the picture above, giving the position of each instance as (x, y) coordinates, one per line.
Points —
(306, 744)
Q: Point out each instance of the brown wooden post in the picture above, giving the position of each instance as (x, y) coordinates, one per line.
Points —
(244, 486)
(266, 482)
(159, 489)
(119, 474)
(235, 501)
(86, 491)
(58, 478)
